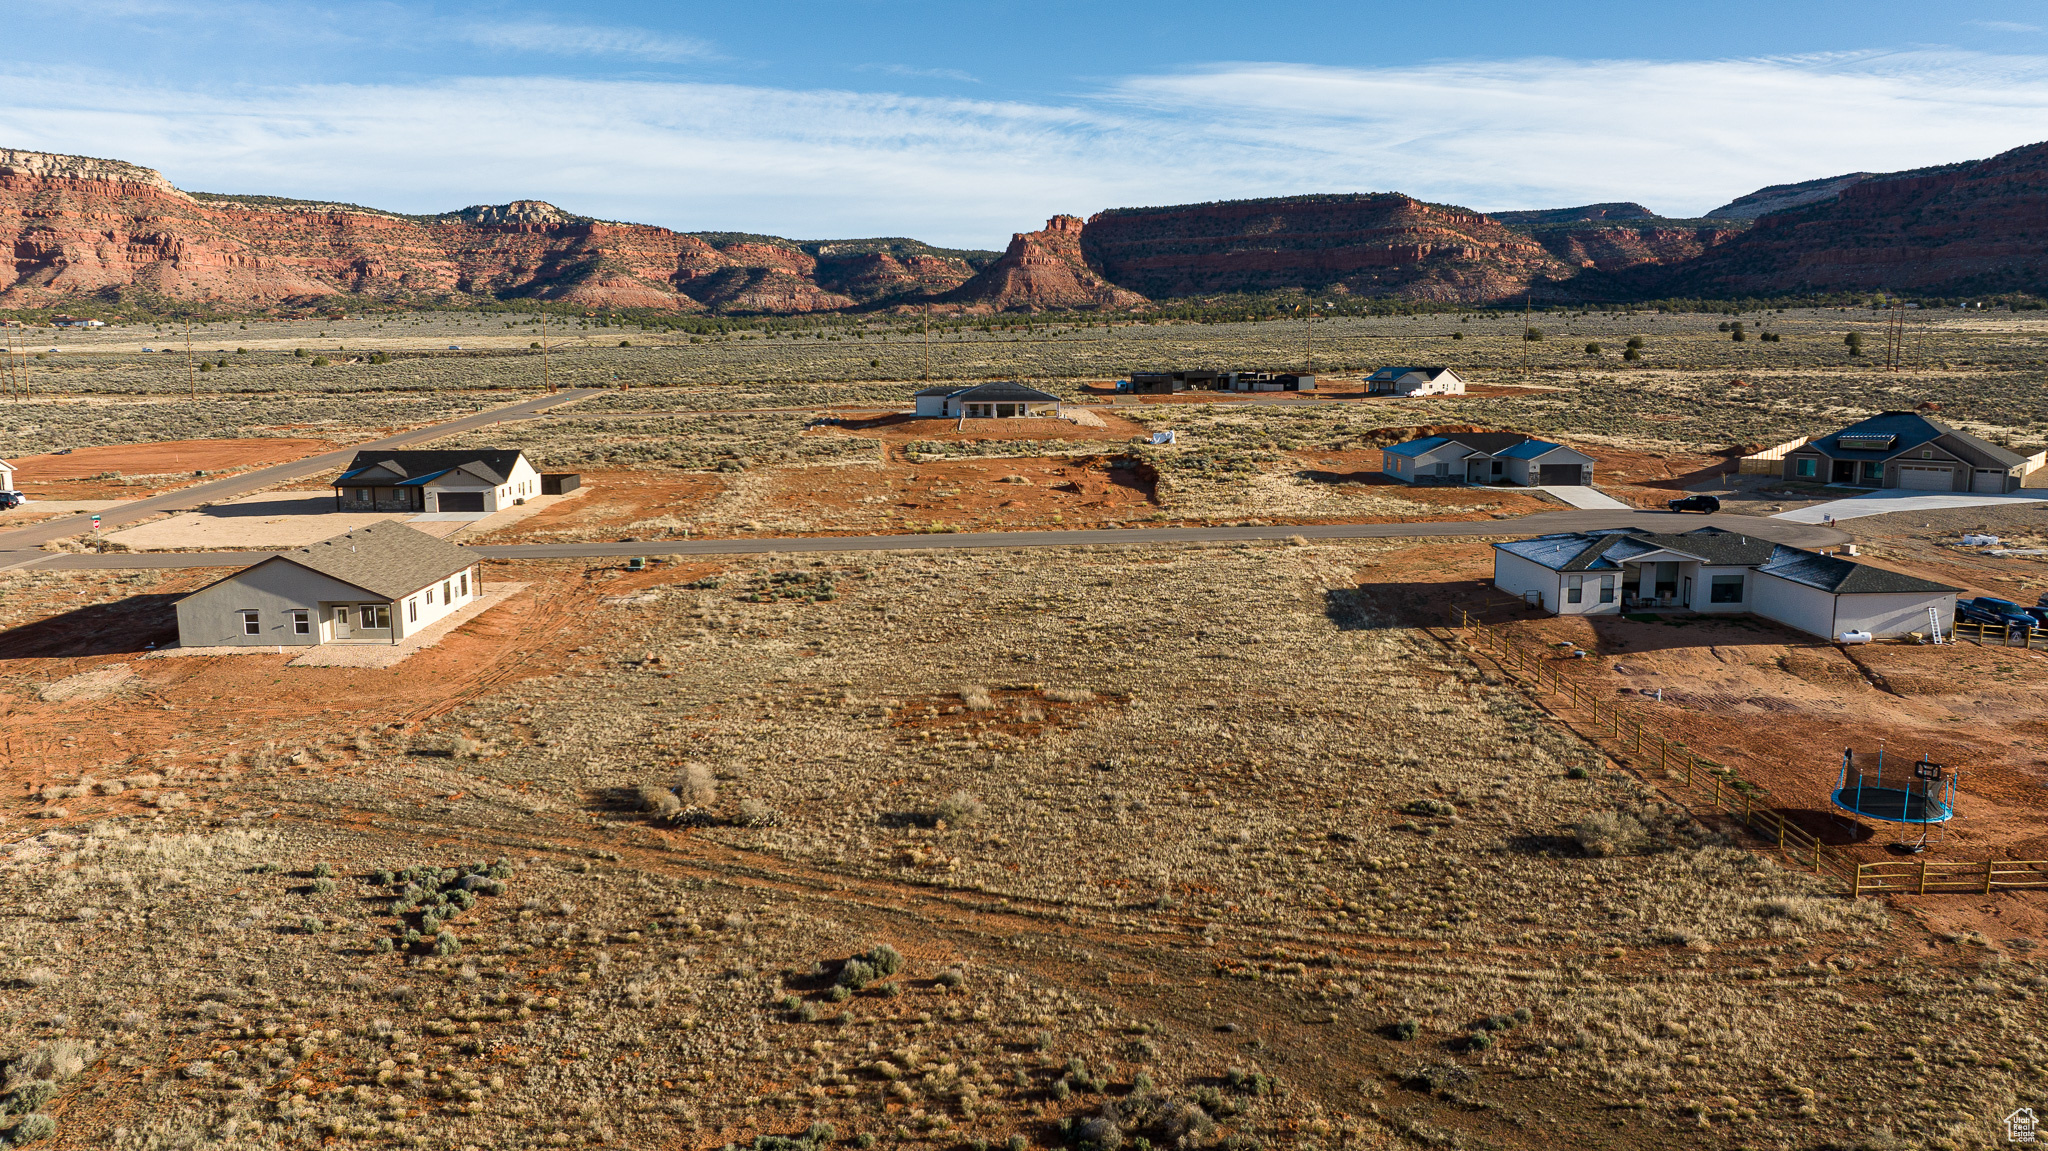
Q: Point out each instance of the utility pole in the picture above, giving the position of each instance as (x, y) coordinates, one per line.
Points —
(1309, 349)
(927, 345)
(191, 375)
(1525, 335)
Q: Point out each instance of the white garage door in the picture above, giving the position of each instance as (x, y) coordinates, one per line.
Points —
(1925, 479)
(1986, 482)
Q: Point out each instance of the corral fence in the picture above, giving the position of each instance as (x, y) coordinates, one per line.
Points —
(1771, 460)
(1625, 736)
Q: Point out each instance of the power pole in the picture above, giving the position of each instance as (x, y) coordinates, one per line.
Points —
(927, 345)
(1525, 335)
(1894, 333)
(1310, 346)
(191, 375)
(546, 380)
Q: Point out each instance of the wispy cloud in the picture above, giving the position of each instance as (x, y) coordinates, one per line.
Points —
(585, 40)
(1679, 137)
(909, 72)
(2005, 26)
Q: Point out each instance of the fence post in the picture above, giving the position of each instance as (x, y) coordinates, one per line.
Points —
(1856, 883)
(1987, 876)
(1923, 877)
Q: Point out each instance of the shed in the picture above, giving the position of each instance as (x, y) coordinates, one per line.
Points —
(559, 483)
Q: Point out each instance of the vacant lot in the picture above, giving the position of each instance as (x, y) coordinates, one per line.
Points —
(1173, 844)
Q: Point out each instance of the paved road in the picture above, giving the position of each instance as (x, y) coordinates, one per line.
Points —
(1798, 535)
(21, 540)
(1899, 500)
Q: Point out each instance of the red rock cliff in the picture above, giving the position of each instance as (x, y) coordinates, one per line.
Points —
(1044, 271)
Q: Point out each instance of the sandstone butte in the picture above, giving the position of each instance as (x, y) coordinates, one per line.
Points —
(81, 226)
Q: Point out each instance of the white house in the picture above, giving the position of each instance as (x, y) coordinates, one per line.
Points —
(1714, 571)
(1001, 400)
(1412, 381)
(6, 476)
(436, 481)
(1486, 458)
(377, 584)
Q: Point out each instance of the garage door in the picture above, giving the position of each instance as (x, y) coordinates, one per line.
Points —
(462, 501)
(1992, 483)
(1560, 475)
(1924, 479)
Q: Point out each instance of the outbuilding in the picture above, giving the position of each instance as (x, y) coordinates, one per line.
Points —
(377, 584)
(436, 481)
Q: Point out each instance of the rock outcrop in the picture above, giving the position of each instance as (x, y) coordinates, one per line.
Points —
(1041, 271)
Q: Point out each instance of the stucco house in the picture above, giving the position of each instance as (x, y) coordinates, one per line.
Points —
(435, 481)
(1908, 450)
(1414, 381)
(6, 476)
(1486, 458)
(1714, 571)
(377, 584)
(1004, 399)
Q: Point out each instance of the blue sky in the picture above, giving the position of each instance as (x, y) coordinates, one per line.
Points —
(961, 124)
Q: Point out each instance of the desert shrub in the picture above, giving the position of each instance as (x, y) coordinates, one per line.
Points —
(1436, 807)
(1578, 772)
(1100, 1133)
(1479, 1040)
(755, 813)
(445, 943)
(319, 361)
(951, 977)
(696, 786)
(1069, 694)
(839, 993)
(959, 809)
(1605, 833)
(822, 1132)
(323, 886)
(1593, 348)
(322, 869)
(856, 974)
(977, 699)
(884, 959)
(1405, 1030)
(28, 1097)
(383, 945)
(311, 926)
(463, 747)
(31, 1129)
(658, 800)
(1533, 335)
(1018, 1143)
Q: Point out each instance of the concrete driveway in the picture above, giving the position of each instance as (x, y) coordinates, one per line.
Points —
(1887, 500)
(1583, 496)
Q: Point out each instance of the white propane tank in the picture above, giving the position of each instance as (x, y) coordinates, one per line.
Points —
(1856, 637)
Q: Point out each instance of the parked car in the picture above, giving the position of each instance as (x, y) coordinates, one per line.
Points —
(11, 500)
(1994, 611)
(2040, 615)
(1707, 504)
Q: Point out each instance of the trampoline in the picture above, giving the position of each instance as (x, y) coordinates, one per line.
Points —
(1921, 795)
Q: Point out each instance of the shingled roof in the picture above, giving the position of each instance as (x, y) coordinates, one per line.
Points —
(493, 464)
(387, 559)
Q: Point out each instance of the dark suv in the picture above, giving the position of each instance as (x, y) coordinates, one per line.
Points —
(11, 500)
(1707, 504)
(1994, 611)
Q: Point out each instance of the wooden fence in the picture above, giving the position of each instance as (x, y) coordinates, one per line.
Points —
(1624, 735)
(1770, 461)
(1984, 633)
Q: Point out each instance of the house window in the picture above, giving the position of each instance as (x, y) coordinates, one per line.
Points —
(250, 626)
(1607, 589)
(376, 615)
(447, 592)
(362, 495)
(302, 623)
(430, 594)
(1725, 589)
(1574, 589)
(412, 611)
(1807, 468)
(1927, 455)
(465, 583)
(1873, 470)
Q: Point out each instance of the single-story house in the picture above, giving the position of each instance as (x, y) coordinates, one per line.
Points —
(1486, 458)
(1004, 399)
(1413, 381)
(1204, 380)
(436, 481)
(1908, 450)
(6, 476)
(1271, 382)
(377, 584)
(75, 322)
(1710, 570)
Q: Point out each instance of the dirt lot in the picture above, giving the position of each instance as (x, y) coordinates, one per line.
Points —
(894, 429)
(136, 470)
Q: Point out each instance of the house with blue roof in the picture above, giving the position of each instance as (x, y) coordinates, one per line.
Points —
(1713, 571)
(1486, 458)
(1908, 450)
(466, 481)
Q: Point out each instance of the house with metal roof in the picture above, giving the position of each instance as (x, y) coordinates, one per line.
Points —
(1397, 380)
(1486, 458)
(1000, 400)
(377, 584)
(1908, 450)
(436, 481)
(1713, 571)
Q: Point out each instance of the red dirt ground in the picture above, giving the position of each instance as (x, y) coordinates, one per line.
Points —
(904, 428)
(71, 477)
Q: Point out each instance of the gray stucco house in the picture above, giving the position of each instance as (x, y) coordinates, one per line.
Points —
(377, 584)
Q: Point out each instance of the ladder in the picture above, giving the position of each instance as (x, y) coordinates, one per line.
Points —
(1934, 625)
